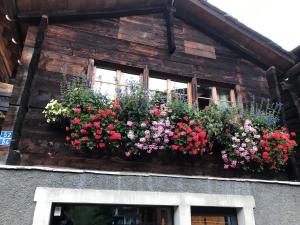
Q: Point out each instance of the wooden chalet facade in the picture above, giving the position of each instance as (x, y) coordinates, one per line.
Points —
(185, 41)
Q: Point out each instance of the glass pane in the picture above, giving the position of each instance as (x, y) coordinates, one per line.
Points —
(109, 90)
(204, 90)
(157, 84)
(127, 78)
(180, 89)
(106, 75)
(224, 96)
(68, 214)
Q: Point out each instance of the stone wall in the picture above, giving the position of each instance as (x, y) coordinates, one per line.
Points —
(277, 203)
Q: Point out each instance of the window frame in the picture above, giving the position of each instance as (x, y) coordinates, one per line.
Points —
(182, 202)
(145, 75)
(214, 92)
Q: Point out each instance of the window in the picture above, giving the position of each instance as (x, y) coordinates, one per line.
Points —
(108, 82)
(80, 214)
(213, 216)
(165, 207)
(169, 88)
(209, 93)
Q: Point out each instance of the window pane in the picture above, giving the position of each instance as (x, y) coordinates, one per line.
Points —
(157, 84)
(106, 75)
(110, 215)
(127, 78)
(109, 90)
(224, 96)
(204, 90)
(180, 90)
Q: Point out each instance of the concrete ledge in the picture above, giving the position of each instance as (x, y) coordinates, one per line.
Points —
(117, 173)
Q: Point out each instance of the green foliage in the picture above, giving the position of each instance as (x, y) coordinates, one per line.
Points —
(75, 93)
(135, 105)
(54, 110)
(215, 119)
(180, 109)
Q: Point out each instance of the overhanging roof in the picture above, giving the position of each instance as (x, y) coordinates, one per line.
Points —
(200, 13)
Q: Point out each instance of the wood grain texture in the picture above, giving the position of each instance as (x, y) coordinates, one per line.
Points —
(139, 42)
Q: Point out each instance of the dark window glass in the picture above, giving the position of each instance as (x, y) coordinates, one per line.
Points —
(213, 216)
(73, 214)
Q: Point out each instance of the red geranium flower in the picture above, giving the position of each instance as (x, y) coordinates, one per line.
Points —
(110, 127)
(265, 155)
(90, 108)
(101, 145)
(97, 125)
(76, 121)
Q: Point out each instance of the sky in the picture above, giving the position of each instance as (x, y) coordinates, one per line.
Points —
(279, 20)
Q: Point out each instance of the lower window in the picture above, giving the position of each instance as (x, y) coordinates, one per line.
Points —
(79, 214)
(213, 216)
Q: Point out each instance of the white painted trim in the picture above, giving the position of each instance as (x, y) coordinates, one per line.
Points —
(182, 202)
(117, 173)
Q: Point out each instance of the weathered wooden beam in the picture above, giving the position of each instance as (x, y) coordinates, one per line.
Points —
(245, 53)
(169, 15)
(275, 92)
(194, 91)
(293, 71)
(24, 101)
(5, 55)
(85, 15)
(146, 78)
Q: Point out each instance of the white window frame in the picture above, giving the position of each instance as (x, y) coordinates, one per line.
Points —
(182, 202)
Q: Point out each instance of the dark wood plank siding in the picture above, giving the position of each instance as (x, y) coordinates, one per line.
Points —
(136, 41)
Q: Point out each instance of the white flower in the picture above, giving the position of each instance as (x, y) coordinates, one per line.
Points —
(247, 140)
(143, 124)
(243, 134)
(244, 145)
(237, 140)
(257, 136)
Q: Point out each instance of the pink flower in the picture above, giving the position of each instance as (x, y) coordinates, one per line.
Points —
(76, 121)
(192, 122)
(127, 154)
(129, 123)
(226, 166)
(83, 131)
(68, 138)
(77, 110)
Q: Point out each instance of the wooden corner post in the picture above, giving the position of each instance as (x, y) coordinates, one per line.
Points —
(24, 93)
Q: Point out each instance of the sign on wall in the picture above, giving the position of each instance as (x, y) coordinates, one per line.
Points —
(5, 137)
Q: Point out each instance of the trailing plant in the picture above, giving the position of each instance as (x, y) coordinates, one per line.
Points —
(55, 110)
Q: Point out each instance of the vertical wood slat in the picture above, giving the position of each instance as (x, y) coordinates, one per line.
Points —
(194, 87)
(90, 71)
(232, 98)
(169, 90)
(214, 94)
(17, 127)
(189, 92)
(146, 78)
